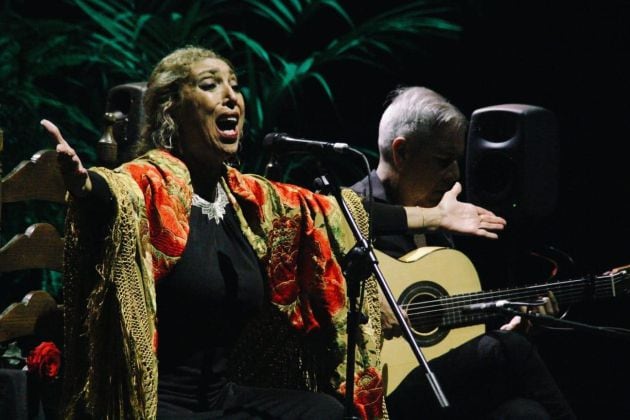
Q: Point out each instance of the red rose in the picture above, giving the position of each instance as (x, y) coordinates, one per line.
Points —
(45, 360)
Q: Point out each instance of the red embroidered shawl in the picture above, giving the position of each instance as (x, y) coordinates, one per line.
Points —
(297, 235)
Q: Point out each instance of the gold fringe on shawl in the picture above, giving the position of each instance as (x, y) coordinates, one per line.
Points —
(372, 304)
(111, 368)
(272, 354)
(99, 381)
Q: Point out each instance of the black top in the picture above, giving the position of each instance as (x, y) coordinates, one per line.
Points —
(203, 303)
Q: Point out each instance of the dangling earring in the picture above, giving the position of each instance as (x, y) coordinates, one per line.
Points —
(168, 127)
(234, 161)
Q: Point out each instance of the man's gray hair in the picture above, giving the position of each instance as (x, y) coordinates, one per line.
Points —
(418, 113)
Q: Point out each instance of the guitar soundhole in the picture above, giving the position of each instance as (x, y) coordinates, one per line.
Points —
(421, 302)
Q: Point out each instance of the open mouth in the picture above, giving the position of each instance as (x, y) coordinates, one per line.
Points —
(228, 127)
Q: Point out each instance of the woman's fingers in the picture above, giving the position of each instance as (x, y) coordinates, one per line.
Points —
(67, 156)
(74, 174)
(54, 131)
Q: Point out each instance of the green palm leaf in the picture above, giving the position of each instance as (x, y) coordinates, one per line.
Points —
(63, 70)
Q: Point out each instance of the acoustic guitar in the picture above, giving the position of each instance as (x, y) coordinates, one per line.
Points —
(435, 286)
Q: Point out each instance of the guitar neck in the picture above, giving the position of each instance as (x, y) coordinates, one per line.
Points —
(455, 309)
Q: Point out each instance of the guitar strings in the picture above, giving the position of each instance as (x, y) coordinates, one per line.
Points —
(567, 291)
(450, 313)
(426, 320)
(532, 291)
(452, 303)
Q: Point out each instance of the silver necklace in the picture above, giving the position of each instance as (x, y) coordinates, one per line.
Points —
(215, 210)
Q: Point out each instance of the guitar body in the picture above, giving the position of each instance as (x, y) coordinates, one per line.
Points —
(439, 290)
(422, 275)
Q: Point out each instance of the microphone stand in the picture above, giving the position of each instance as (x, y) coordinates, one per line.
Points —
(357, 266)
(555, 321)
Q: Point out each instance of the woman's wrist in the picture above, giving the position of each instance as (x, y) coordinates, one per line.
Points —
(83, 190)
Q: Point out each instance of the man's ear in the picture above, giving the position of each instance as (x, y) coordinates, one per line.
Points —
(399, 151)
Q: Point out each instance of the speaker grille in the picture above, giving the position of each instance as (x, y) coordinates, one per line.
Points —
(511, 161)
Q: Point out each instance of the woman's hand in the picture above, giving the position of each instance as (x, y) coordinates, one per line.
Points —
(75, 176)
(466, 218)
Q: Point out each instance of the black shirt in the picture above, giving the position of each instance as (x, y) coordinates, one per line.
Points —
(205, 301)
(203, 304)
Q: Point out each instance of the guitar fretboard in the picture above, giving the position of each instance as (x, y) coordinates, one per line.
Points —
(454, 311)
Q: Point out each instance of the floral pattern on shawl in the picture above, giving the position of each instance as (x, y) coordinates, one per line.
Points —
(291, 221)
(167, 193)
(368, 396)
(295, 233)
(300, 235)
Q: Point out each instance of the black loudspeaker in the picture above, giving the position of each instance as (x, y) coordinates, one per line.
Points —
(511, 162)
(124, 117)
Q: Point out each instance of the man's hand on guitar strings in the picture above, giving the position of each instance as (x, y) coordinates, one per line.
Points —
(617, 270)
(389, 324)
(548, 306)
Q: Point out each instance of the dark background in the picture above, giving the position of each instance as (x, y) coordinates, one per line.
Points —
(572, 59)
(567, 58)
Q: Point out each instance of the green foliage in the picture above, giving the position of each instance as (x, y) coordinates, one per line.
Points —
(127, 38)
(62, 67)
(32, 53)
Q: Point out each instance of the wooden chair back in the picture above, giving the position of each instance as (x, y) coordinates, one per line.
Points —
(40, 246)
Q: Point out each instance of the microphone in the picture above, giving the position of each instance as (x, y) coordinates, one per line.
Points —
(281, 142)
(485, 306)
(498, 304)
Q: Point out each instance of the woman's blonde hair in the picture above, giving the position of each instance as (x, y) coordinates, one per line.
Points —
(164, 95)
